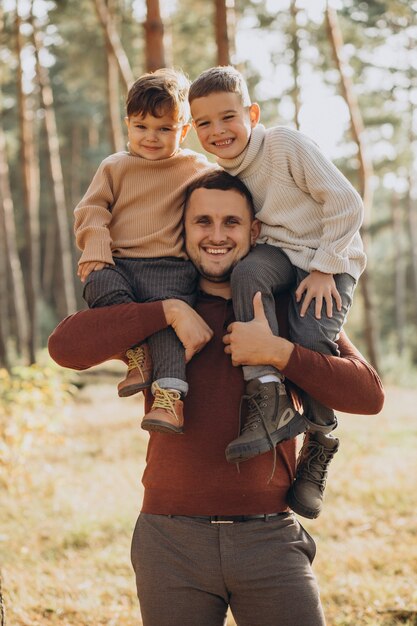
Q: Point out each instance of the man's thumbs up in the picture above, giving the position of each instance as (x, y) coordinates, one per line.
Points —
(252, 343)
(258, 308)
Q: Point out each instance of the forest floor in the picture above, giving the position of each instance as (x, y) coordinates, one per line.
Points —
(67, 520)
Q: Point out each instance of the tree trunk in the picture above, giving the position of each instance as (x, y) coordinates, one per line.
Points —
(117, 140)
(154, 37)
(400, 269)
(295, 92)
(58, 191)
(113, 41)
(30, 178)
(221, 33)
(365, 175)
(13, 260)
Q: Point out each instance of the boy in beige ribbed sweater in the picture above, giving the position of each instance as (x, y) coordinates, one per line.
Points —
(310, 217)
(129, 228)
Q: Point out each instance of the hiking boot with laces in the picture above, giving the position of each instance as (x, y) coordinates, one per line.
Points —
(166, 414)
(305, 496)
(139, 371)
(271, 419)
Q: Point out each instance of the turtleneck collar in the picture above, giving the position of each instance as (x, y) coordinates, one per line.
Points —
(245, 159)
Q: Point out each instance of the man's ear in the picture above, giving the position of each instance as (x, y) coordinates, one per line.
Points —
(254, 114)
(184, 132)
(255, 229)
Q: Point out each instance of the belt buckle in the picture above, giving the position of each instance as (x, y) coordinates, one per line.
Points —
(221, 521)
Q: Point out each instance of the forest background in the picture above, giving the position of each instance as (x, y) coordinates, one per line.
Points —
(344, 73)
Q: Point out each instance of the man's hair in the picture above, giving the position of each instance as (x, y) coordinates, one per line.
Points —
(160, 93)
(219, 179)
(223, 78)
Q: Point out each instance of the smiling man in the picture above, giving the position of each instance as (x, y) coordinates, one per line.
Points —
(209, 536)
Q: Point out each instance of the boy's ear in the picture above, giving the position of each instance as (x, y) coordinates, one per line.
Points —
(127, 121)
(254, 114)
(184, 132)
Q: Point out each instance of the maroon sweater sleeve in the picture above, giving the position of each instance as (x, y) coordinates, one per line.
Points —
(346, 383)
(93, 336)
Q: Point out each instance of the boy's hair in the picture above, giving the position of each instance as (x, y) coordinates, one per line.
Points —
(217, 79)
(219, 179)
(158, 93)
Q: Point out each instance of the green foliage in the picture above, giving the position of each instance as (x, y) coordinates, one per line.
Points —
(30, 400)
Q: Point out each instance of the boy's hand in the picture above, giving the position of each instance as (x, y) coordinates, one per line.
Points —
(84, 269)
(252, 343)
(321, 287)
(190, 328)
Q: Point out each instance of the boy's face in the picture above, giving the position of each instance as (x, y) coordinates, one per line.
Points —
(155, 138)
(223, 124)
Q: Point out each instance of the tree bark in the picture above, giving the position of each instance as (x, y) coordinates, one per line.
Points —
(154, 37)
(58, 191)
(117, 140)
(400, 269)
(365, 175)
(13, 260)
(295, 92)
(221, 33)
(113, 41)
(30, 178)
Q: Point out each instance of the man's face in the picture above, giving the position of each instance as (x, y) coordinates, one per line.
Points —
(223, 124)
(219, 231)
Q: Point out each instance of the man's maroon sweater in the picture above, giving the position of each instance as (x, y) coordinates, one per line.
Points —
(188, 474)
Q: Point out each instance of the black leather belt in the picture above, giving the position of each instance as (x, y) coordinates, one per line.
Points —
(231, 519)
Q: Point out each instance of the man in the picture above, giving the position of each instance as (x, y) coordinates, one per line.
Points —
(211, 535)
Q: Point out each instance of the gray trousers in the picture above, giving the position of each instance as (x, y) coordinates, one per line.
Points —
(147, 280)
(188, 572)
(268, 269)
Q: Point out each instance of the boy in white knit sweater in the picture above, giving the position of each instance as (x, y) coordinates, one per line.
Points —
(129, 228)
(310, 217)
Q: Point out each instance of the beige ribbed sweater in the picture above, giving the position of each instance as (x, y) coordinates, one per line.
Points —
(133, 207)
(306, 206)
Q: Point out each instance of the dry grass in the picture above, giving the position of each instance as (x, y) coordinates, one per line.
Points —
(65, 529)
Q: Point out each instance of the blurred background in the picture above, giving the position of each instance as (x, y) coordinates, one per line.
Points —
(343, 73)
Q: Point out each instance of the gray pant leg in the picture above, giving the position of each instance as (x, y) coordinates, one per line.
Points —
(320, 335)
(178, 572)
(266, 269)
(161, 279)
(188, 571)
(108, 286)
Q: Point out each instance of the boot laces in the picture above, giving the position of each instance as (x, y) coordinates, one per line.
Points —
(313, 463)
(165, 399)
(256, 403)
(136, 358)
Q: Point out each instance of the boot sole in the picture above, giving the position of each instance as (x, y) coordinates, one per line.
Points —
(130, 390)
(161, 427)
(299, 508)
(244, 452)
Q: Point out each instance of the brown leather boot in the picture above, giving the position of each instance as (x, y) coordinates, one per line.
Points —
(305, 496)
(139, 371)
(166, 414)
(271, 419)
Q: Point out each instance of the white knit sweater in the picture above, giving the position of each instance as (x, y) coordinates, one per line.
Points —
(306, 206)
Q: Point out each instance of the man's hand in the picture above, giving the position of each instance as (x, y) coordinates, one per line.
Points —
(321, 287)
(191, 329)
(84, 269)
(252, 343)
